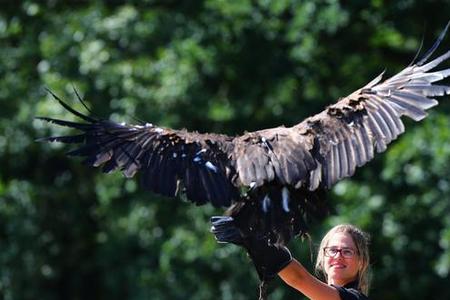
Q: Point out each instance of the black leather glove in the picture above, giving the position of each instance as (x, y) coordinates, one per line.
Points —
(268, 259)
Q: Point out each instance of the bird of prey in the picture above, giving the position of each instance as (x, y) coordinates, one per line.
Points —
(272, 180)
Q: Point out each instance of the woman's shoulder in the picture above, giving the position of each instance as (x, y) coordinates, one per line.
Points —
(350, 292)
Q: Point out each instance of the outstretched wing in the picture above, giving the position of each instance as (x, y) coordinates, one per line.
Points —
(315, 153)
(170, 161)
(348, 133)
(330, 145)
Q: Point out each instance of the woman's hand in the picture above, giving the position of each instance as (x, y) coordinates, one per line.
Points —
(268, 259)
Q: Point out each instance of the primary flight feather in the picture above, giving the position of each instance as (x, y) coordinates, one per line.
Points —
(272, 180)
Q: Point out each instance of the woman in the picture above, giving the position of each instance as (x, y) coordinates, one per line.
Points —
(343, 260)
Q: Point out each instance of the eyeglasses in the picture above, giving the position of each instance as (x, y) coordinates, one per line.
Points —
(333, 251)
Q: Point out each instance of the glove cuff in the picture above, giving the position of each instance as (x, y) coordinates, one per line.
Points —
(269, 259)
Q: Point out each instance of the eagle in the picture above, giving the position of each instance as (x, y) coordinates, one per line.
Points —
(271, 181)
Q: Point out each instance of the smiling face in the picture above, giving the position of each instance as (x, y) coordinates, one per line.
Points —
(340, 270)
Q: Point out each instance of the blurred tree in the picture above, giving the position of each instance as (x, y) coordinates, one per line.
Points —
(68, 232)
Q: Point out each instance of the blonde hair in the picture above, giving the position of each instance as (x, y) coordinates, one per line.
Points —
(361, 240)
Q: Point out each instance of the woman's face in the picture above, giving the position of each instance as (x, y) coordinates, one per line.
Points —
(341, 270)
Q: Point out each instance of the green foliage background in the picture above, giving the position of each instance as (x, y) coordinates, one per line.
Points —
(70, 232)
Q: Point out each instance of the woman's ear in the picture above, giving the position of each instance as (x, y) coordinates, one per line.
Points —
(360, 265)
